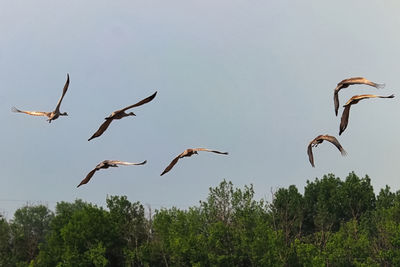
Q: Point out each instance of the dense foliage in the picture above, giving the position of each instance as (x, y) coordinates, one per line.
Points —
(334, 223)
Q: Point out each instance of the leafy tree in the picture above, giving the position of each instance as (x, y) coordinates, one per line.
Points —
(358, 196)
(268, 246)
(28, 230)
(309, 254)
(130, 228)
(96, 254)
(83, 233)
(54, 247)
(385, 198)
(287, 212)
(334, 223)
(323, 204)
(5, 243)
(182, 237)
(349, 246)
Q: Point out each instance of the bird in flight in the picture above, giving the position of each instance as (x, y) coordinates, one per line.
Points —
(105, 165)
(187, 153)
(354, 100)
(318, 140)
(50, 115)
(119, 114)
(346, 83)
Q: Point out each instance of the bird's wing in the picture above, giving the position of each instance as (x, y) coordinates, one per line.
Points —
(336, 101)
(361, 80)
(361, 97)
(63, 93)
(101, 129)
(126, 163)
(144, 101)
(350, 81)
(33, 113)
(209, 150)
(389, 96)
(334, 141)
(345, 119)
(310, 154)
(88, 177)
(169, 167)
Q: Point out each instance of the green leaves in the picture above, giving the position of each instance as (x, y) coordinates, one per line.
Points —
(5, 243)
(334, 223)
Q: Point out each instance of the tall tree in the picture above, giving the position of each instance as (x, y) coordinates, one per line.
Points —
(52, 250)
(5, 243)
(28, 230)
(130, 228)
(287, 212)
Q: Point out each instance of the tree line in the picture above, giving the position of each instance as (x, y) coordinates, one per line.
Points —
(333, 223)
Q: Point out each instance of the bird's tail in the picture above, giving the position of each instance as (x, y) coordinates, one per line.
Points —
(379, 85)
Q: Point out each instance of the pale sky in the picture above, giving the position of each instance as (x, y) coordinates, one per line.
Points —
(254, 78)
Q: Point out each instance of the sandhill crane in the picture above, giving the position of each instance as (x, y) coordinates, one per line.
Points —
(346, 83)
(105, 165)
(119, 114)
(318, 140)
(354, 100)
(187, 153)
(50, 115)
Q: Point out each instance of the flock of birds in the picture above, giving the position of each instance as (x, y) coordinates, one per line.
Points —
(346, 112)
(121, 113)
(116, 115)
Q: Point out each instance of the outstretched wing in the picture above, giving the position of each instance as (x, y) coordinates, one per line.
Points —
(360, 80)
(334, 141)
(102, 129)
(347, 82)
(345, 119)
(360, 97)
(33, 113)
(63, 93)
(88, 177)
(209, 150)
(310, 154)
(172, 164)
(125, 163)
(144, 101)
(354, 100)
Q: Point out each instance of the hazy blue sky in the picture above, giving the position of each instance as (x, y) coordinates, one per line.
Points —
(254, 78)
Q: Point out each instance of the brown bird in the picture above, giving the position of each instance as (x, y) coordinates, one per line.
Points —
(119, 114)
(105, 165)
(346, 83)
(187, 153)
(318, 140)
(354, 100)
(50, 115)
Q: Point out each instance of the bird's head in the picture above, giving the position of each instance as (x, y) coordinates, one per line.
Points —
(195, 152)
(64, 114)
(131, 114)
